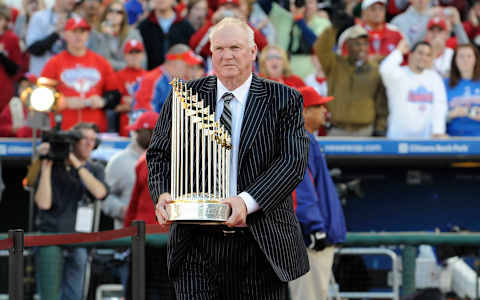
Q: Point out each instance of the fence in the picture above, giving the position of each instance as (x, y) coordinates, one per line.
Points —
(16, 242)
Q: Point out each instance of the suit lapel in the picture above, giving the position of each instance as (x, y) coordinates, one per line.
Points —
(255, 109)
(208, 92)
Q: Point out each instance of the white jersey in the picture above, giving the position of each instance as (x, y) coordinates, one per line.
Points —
(417, 102)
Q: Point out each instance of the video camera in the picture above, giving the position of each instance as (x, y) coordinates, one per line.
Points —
(61, 143)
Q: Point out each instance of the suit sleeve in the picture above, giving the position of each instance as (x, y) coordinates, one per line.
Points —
(288, 168)
(158, 153)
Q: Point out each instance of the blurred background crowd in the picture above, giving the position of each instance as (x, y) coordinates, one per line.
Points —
(398, 68)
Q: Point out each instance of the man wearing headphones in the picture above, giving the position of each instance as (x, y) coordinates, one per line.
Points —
(64, 194)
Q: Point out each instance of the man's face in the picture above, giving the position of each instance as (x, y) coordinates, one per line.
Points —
(420, 5)
(195, 72)
(232, 56)
(92, 7)
(84, 147)
(421, 58)
(199, 11)
(134, 59)
(161, 4)
(437, 36)
(77, 38)
(358, 48)
(375, 13)
(274, 64)
(315, 116)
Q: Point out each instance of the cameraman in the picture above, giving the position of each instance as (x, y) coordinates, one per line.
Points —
(63, 194)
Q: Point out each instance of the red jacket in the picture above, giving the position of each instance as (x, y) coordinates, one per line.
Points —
(292, 80)
(141, 204)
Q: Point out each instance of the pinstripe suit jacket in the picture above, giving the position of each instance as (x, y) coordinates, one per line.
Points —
(271, 162)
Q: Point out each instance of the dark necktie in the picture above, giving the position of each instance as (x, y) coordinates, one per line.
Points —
(226, 117)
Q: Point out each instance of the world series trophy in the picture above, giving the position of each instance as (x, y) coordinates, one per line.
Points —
(200, 161)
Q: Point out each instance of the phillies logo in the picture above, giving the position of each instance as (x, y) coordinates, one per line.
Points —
(80, 78)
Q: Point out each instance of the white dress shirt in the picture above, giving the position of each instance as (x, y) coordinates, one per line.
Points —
(238, 109)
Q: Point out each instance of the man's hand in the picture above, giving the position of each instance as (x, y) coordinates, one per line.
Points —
(97, 101)
(43, 149)
(74, 161)
(238, 216)
(318, 241)
(46, 166)
(403, 46)
(452, 15)
(74, 102)
(161, 208)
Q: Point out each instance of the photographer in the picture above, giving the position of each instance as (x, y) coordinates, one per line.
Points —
(64, 193)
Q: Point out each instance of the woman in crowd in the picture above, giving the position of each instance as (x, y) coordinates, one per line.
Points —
(116, 32)
(463, 92)
(274, 65)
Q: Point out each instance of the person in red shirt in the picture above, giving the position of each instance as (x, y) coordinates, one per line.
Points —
(127, 78)
(10, 56)
(154, 86)
(383, 38)
(141, 204)
(86, 79)
(274, 65)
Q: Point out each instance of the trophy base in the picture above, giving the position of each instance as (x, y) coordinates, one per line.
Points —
(198, 213)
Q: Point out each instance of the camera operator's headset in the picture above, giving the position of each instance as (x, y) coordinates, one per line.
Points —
(76, 130)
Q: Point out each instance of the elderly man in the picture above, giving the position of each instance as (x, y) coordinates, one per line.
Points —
(359, 108)
(260, 247)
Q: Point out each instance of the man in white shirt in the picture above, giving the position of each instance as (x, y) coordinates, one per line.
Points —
(416, 94)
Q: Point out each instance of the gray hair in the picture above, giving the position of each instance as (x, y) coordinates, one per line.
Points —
(232, 21)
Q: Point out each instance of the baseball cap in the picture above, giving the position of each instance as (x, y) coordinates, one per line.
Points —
(189, 57)
(367, 3)
(133, 45)
(312, 98)
(437, 22)
(147, 120)
(354, 32)
(76, 23)
(223, 2)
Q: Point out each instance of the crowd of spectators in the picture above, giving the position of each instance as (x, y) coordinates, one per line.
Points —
(129, 50)
(396, 68)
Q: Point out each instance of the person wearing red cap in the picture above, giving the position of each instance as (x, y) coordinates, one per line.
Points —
(318, 207)
(120, 177)
(140, 207)
(438, 35)
(127, 78)
(155, 85)
(86, 79)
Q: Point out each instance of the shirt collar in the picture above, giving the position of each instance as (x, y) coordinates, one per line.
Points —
(240, 93)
